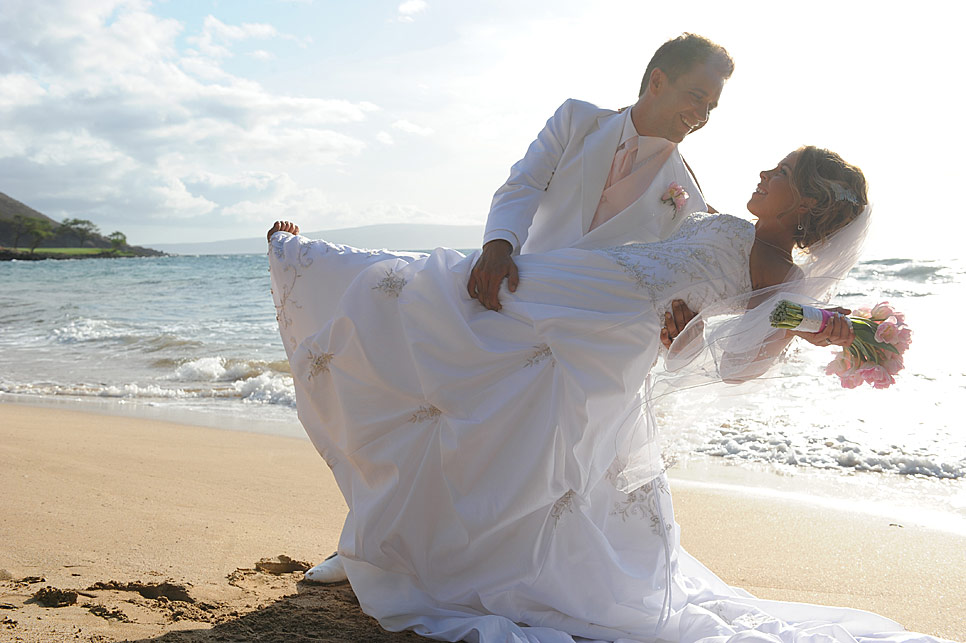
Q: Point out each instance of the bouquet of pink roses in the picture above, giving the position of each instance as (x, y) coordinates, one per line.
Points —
(881, 337)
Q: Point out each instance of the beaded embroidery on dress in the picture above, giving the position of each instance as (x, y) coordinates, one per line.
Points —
(476, 449)
(687, 261)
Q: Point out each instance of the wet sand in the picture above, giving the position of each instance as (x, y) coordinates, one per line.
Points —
(151, 531)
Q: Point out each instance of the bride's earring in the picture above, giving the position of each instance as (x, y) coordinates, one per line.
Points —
(800, 227)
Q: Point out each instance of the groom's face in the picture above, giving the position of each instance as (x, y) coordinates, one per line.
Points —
(684, 105)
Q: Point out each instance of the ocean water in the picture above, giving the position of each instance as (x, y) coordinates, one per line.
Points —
(194, 339)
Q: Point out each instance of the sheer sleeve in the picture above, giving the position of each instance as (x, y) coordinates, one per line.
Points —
(732, 343)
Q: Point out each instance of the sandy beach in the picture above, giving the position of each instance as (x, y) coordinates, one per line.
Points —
(153, 531)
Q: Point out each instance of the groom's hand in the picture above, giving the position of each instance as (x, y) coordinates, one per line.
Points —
(493, 266)
(675, 320)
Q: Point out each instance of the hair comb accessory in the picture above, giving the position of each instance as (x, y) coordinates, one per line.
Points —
(842, 193)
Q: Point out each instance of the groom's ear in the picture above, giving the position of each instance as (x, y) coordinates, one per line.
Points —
(658, 80)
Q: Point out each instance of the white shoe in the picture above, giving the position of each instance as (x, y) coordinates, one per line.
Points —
(327, 572)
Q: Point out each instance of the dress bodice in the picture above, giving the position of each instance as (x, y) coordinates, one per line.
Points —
(473, 446)
(706, 260)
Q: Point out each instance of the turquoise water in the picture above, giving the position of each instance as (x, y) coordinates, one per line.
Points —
(189, 333)
(194, 338)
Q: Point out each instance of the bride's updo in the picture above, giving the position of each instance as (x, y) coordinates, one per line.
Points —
(838, 189)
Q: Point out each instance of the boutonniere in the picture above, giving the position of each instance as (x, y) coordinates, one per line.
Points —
(676, 196)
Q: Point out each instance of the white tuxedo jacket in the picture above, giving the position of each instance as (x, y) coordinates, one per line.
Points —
(553, 191)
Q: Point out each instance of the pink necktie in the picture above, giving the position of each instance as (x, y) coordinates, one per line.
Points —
(631, 174)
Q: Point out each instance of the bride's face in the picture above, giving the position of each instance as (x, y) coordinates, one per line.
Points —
(775, 195)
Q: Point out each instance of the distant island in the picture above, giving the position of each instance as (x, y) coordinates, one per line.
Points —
(26, 234)
(397, 236)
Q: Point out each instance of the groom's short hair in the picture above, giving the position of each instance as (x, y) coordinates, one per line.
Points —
(678, 55)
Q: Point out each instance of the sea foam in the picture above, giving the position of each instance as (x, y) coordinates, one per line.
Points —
(836, 452)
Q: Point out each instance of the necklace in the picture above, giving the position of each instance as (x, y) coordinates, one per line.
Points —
(781, 250)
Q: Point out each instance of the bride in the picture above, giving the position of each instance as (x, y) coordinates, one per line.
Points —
(502, 469)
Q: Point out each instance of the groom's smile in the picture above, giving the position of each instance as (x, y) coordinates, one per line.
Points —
(672, 109)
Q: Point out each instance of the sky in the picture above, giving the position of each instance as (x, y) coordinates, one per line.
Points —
(202, 120)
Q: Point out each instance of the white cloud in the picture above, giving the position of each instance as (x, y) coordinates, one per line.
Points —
(101, 116)
(13, 144)
(60, 148)
(411, 128)
(174, 198)
(112, 112)
(408, 9)
(19, 89)
(286, 200)
(244, 186)
(216, 36)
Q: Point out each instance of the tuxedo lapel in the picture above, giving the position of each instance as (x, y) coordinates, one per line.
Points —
(675, 170)
(596, 157)
(648, 219)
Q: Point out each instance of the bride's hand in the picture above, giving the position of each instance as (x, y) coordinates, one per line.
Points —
(675, 320)
(837, 332)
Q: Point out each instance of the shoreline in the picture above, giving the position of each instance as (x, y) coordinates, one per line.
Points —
(874, 495)
(224, 418)
(92, 498)
(16, 255)
(925, 501)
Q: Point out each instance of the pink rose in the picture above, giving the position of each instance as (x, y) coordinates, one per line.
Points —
(841, 365)
(904, 340)
(884, 382)
(892, 363)
(864, 313)
(877, 376)
(676, 196)
(884, 311)
(888, 331)
(851, 380)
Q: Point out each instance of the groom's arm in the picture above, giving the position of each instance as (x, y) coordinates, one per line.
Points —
(513, 207)
(493, 266)
(516, 201)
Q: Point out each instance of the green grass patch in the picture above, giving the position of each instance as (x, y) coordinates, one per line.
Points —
(66, 251)
(73, 251)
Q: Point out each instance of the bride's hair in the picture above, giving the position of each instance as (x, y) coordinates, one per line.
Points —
(722, 346)
(838, 189)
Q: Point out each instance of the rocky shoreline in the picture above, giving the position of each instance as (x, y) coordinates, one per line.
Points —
(7, 254)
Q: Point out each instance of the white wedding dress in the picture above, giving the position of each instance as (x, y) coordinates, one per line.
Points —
(475, 448)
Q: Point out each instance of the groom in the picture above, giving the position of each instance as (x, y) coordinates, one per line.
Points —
(596, 178)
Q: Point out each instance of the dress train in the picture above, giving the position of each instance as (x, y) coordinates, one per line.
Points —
(475, 449)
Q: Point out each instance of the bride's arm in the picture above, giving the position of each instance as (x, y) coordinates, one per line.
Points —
(737, 367)
(741, 366)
